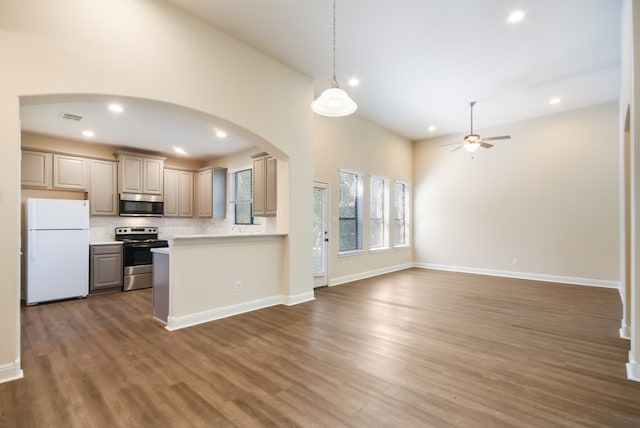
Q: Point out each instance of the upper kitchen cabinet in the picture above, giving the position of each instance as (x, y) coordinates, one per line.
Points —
(36, 169)
(141, 174)
(178, 193)
(54, 171)
(70, 172)
(103, 194)
(265, 194)
(211, 198)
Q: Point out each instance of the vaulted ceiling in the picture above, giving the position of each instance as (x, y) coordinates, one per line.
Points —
(419, 64)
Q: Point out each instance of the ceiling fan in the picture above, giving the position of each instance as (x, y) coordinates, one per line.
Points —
(473, 141)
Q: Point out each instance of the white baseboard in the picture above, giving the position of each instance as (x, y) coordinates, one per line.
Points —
(176, 323)
(364, 275)
(10, 371)
(633, 371)
(297, 298)
(625, 332)
(524, 275)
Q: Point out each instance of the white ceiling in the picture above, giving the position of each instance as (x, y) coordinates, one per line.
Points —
(420, 63)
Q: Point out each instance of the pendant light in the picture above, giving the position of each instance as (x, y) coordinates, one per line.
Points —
(334, 102)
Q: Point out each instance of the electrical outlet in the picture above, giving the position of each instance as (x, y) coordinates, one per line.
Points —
(238, 285)
(515, 261)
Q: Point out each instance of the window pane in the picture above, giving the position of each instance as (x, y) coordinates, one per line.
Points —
(350, 211)
(348, 235)
(377, 215)
(242, 196)
(243, 190)
(243, 213)
(377, 233)
(401, 224)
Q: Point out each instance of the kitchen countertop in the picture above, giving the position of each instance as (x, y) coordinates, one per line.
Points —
(233, 235)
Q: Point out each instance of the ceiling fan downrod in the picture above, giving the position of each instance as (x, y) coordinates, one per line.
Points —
(471, 104)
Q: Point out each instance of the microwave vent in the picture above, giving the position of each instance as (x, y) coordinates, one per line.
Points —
(70, 116)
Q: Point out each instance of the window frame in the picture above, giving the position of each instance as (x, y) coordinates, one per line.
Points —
(359, 206)
(232, 197)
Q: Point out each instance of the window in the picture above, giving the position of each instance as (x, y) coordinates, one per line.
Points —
(242, 193)
(378, 214)
(350, 209)
(402, 226)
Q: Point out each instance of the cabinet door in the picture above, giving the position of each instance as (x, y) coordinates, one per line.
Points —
(259, 171)
(171, 193)
(70, 172)
(204, 202)
(185, 194)
(102, 193)
(131, 170)
(36, 169)
(153, 176)
(106, 268)
(271, 187)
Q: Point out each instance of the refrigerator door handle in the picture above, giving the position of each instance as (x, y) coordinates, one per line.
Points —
(32, 244)
(32, 224)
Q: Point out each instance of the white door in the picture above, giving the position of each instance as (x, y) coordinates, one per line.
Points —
(320, 235)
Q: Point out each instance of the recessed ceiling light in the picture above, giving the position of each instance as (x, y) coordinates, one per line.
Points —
(88, 133)
(431, 128)
(220, 133)
(179, 150)
(354, 81)
(515, 16)
(116, 108)
(554, 100)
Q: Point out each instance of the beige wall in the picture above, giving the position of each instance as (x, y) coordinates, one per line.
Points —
(548, 197)
(358, 145)
(205, 267)
(146, 49)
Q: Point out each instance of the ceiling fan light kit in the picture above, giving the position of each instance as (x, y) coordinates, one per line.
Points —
(473, 142)
(334, 102)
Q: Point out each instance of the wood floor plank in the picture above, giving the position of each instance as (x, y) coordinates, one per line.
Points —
(414, 348)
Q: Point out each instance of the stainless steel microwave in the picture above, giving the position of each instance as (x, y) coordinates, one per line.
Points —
(140, 205)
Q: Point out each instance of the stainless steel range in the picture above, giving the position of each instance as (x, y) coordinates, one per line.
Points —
(138, 259)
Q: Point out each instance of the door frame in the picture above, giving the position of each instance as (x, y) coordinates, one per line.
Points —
(327, 213)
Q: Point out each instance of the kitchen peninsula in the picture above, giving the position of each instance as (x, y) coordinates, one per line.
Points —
(200, 278)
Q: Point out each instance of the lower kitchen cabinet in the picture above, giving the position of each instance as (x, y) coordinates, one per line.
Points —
(105, 268)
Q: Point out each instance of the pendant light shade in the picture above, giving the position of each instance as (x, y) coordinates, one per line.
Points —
(334, 102)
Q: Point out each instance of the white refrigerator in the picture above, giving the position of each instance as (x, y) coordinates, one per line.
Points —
(57, 250)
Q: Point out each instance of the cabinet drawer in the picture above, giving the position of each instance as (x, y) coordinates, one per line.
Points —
(106, 249)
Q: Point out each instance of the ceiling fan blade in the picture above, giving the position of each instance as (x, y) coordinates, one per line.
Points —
(502, 137)
(457, 148)
(486, 145)
(449, 144)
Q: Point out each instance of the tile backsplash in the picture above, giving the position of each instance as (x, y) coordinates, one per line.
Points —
(102, 229)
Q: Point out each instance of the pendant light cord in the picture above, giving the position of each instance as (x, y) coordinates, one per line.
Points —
(334, 82)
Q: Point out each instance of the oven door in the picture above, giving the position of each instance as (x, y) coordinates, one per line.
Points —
(138, 254)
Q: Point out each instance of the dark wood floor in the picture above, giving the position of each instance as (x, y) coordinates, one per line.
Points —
(414, 348)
